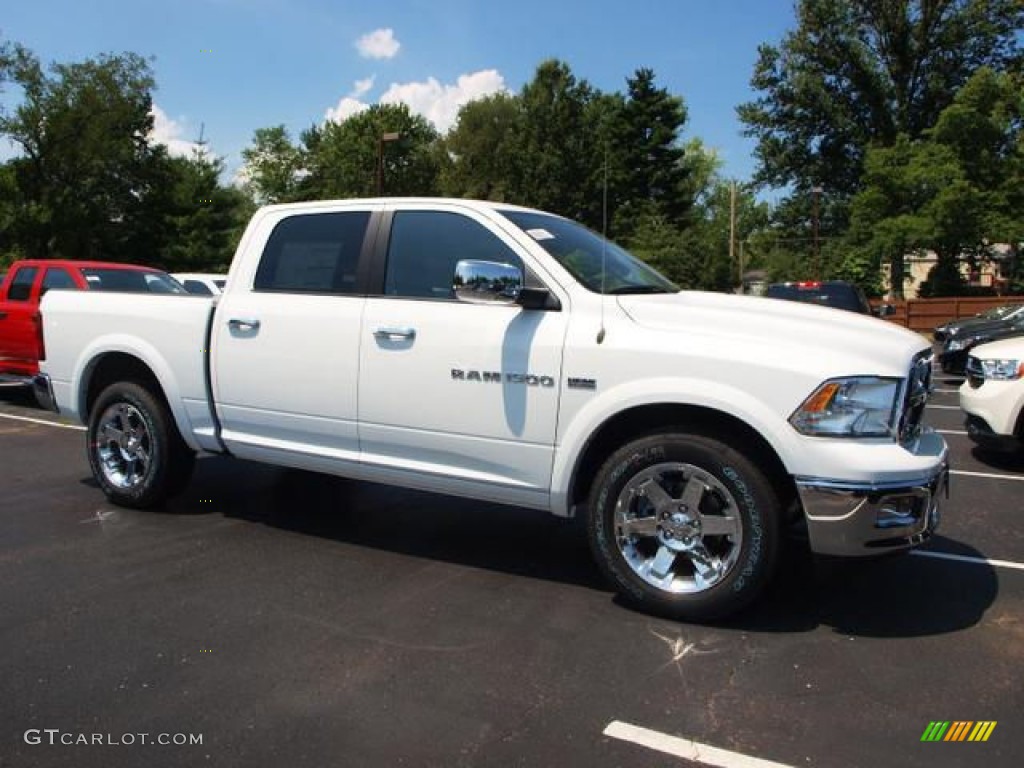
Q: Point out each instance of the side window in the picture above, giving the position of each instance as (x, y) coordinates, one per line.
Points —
(313, 253)
(21, 286)
(426, 245)
(56, 277)
(194, 286)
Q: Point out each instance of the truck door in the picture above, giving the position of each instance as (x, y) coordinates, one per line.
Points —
(286, 340)
(450, 390)
(19, 323)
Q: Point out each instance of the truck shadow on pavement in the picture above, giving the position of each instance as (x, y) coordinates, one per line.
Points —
(1005, 461)
(898, 596)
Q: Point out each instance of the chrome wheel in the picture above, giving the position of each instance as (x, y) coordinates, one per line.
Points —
(678, 528)
(123, 446)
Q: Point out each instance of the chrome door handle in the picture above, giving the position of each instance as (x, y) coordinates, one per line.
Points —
(243, 323)
(393, 334)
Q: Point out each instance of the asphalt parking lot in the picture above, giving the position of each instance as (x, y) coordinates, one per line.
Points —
(288, 618)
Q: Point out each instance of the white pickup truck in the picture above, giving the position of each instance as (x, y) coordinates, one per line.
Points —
(501, 353)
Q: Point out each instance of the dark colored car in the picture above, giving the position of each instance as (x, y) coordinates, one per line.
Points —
(990, 318)
(837, 294)
(955, 349)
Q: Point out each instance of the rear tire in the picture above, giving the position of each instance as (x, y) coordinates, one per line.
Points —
(136, 453)
(684, 526)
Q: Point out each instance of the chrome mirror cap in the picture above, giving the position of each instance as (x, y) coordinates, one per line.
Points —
(487, 282)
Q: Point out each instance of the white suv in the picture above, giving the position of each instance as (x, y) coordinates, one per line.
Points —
(993, 394)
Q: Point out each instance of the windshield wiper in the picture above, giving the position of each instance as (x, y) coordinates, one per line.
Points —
(638, 289)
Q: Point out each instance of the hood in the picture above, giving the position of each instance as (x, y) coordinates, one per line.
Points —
(831, 341)
(1007, 349)
(974, 325)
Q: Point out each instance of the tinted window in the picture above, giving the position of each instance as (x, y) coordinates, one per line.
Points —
(426, 245)
(130, 281)
(21, 286)
(56, 277)
(313, 253)
(220, 283)
(837, 296)
(194, 286)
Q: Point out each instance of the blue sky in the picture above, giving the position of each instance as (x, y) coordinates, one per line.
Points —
(237, 65)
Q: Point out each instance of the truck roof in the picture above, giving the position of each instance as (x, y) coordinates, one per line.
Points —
(485, 205)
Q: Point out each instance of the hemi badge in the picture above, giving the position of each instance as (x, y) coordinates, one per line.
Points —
(582, 383)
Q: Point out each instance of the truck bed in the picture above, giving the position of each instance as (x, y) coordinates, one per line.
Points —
(80, 326)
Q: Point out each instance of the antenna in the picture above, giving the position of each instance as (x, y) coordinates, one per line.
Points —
(202, 130)
(604, 238)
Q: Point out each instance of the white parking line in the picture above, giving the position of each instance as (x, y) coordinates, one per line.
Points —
(78, 427)
(944, 407)
(990, 475)
(951, 431)
(947, 391)
(684, 748)
(966, 559)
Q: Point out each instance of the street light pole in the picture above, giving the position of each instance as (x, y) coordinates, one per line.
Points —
(817, 247)
(384, 137)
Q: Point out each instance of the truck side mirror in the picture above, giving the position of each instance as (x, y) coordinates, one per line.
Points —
(487, 282)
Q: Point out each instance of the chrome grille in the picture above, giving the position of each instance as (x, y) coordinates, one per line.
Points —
(915, 397)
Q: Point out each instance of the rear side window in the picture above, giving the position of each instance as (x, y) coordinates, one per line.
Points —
(130, 281)
(425, 247)
(56, 277)
(195, 286)
(313, 253)
(21, 286)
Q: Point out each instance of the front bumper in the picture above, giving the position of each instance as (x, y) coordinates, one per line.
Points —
(42, 387)
(863, 519)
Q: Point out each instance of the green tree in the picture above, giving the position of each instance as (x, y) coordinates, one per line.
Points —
(555, 145)
(858, 73)
(86, 166)
(273, 166)
(647, 155)
(202, 215)
(341, 158)
(478, 158)
(954, 191)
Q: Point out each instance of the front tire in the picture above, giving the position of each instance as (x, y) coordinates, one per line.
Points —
(136, 453)
(684, 526)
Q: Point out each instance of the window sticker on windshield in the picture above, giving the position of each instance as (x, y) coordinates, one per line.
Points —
(540, 234)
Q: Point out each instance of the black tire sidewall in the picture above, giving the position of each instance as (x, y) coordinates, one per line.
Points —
(156, 484)
(758, 509)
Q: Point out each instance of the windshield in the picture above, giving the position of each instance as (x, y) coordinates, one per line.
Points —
(583, 252)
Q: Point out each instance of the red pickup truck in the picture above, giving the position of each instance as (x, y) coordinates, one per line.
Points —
(21, 337)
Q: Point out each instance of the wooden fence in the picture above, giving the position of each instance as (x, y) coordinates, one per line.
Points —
(924, 314)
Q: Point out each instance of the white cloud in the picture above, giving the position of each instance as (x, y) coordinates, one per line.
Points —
(436, 101)
(361, 87)
(169, 132)
(350, 104)
(440, 103)
(345, 109)
(379, 44)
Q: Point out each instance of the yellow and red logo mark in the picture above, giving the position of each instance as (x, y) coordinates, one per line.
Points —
(958, 730)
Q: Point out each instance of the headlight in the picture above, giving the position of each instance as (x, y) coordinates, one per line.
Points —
(1002, 370)
(955, 345)
(859, 406)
